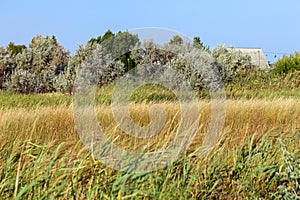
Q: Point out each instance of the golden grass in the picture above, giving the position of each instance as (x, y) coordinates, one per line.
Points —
(243, 117)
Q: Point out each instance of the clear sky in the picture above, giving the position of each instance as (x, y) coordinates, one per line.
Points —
(271, 25)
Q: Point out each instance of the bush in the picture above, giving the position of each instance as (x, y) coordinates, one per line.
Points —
(38, 66)
(98, 69)
(7, 64)
(193, 65)
(197, 67)
(231, 62)
(288, 64)
(2, 66)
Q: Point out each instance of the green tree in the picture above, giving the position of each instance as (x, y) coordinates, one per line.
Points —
(197, 43)
(107, 34)
(176, 40)
(118, 45)
(288, 64)
(15, 49)
(98, 40)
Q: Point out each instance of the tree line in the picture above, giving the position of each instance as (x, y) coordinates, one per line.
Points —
(46, 66)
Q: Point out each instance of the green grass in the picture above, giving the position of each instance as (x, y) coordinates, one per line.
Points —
(12, 101)
(264, 85)
(103, 95)
(261, 167)
(152, 93)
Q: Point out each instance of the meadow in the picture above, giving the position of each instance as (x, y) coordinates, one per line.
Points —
(256, 157)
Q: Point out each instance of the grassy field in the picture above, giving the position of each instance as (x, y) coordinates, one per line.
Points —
(257, 156)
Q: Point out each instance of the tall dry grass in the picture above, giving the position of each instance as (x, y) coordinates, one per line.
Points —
(41, 156)
(243, 117)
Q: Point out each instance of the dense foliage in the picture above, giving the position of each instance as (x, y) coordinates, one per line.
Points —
(288, 64)
(45, 66)
(35, 69)
(118, 45)
(231, 62)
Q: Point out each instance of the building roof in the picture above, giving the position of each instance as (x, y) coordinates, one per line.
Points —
(257, 55)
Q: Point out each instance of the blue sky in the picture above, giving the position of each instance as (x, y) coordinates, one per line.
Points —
(271, 25)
